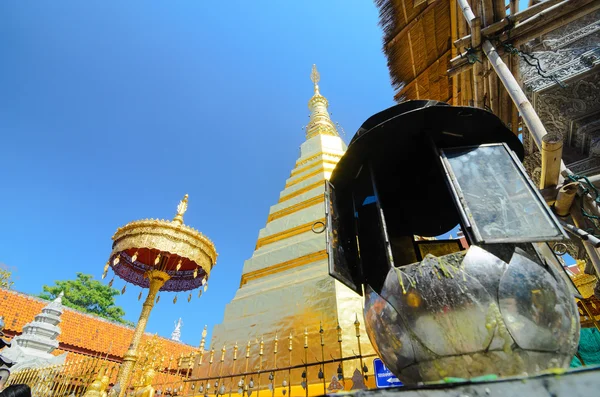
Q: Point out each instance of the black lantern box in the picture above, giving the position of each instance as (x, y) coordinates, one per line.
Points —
(434, 308)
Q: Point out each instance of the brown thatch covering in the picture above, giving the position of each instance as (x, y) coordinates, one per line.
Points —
(417, 42)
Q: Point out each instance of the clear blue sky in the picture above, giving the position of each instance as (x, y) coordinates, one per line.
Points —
(111, 111)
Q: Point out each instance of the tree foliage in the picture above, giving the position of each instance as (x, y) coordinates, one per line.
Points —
(5, 277)
(87, 295)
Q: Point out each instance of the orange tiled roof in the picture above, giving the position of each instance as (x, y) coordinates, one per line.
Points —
(80, 332)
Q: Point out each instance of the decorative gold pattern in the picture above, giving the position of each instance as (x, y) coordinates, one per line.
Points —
(181, 208)
(286, 234)
(283, 266)
(303, 190)
(320, 123)
(585, 283)
(296, 207)
(157, 280)
(166, 236)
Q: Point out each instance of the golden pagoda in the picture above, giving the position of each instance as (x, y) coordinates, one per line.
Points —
(285, 287)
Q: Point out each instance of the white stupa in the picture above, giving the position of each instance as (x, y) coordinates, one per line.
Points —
(34, 347)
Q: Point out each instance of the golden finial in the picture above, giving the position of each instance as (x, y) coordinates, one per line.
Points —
(315, 77)
(262, 345)
(357, 326)
(305, 337)
(181, 208)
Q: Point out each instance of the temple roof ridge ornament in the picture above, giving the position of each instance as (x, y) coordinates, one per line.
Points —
(320, 121)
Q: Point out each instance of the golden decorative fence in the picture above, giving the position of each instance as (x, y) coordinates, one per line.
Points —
(315, 370)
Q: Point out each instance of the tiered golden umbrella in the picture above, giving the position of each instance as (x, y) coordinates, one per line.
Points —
(159, 255)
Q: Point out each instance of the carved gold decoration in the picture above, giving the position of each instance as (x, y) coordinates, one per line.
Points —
(166, 236)
(585, 283)
(314, 75)
(98, 386)
(157, 279)
(320, 123)
(146, 389)
(181, 208)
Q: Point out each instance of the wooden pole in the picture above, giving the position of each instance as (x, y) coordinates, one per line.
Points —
(474, 21)
(544, 22)
(454, 34)
(562, 18)
(514, 18)
(532, 120)
(552, 145)
(506, 104)
(514, 7)
(548, 18)
(564, 199)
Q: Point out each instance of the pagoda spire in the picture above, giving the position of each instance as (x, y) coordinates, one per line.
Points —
(320, 122)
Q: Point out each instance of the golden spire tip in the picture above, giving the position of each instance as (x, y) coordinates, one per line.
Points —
(181, 209)
(315, 77)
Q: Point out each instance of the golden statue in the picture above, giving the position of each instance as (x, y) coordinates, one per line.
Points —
(146, 389)
(98, 386)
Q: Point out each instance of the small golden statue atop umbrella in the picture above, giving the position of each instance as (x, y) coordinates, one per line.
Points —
(159, 255)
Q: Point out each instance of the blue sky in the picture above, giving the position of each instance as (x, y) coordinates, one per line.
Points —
(112, 111)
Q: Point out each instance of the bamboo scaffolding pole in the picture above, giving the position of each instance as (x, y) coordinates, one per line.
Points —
(565, 198)
(538, 25)
(507, 21)
(505, 103)
(474, 21)
(514, 7)
(464, 95)
(547, 18)
(499, 10)
(552, 145)
(562, 18)
(514, 112)
(454, 51)
(487, 12)
(530, 117)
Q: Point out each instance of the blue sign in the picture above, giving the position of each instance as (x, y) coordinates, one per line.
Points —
(383, 376)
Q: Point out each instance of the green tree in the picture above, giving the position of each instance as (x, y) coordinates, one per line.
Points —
(5, 277)
(87, 295)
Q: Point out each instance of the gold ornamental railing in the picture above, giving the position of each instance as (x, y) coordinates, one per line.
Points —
(291, 366)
